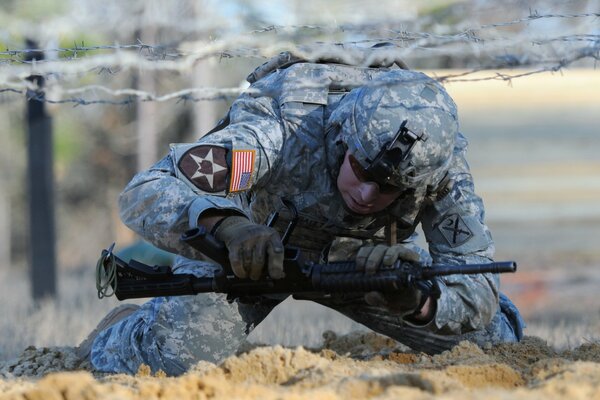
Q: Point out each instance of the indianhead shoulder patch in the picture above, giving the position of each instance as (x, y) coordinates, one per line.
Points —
(205, 167)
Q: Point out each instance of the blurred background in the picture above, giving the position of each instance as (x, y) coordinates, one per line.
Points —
(92, 92)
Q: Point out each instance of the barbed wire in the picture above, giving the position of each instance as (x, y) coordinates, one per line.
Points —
(493, 52)
(200, 94)
(535, 15)
(160, 50)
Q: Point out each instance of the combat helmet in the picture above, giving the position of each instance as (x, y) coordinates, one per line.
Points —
(401, 128)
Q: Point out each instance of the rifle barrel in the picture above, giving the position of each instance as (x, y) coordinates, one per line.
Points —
(464, 269)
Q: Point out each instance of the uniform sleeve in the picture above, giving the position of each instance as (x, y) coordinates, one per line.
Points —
(456, 233)
(214, 173)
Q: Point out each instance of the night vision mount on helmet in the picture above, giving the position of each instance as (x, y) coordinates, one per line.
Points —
(394, 153)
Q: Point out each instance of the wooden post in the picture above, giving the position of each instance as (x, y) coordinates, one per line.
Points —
(40, 189)
(5, 200)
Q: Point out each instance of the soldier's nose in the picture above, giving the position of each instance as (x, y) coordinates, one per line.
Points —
(368, 192)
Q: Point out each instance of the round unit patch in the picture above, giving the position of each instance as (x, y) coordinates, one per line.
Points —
(205, 167)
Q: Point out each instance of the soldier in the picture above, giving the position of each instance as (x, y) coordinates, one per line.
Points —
(353, 151)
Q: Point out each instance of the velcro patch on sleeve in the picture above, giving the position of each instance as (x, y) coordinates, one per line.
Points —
(242, 168)
(205, 167)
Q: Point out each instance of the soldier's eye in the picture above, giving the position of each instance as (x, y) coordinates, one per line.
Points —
(359, 171)
(365, 176)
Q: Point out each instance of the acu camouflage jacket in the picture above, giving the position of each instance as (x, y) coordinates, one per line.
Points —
(276, 146)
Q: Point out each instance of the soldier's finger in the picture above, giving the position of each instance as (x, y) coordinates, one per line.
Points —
(258, 260)
(375, 259)
(362, 256)
(275, 253)
(407, 254)
(390, 256)
(247, 251)
(237, 265)
(399, 252)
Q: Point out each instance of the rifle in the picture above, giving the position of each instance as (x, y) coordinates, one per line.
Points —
(138, 280)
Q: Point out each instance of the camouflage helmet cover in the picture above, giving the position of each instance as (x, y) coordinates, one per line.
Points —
(401, 127)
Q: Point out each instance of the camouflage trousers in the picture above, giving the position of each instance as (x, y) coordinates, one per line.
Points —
(174, 333)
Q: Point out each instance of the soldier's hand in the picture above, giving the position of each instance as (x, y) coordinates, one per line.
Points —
(250, 246)
(370, 258)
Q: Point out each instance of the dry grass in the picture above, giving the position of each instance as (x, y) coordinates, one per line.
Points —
(64, 321)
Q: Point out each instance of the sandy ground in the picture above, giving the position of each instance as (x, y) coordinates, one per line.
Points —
(354, 366)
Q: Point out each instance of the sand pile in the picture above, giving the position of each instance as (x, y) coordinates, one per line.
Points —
(354, 366)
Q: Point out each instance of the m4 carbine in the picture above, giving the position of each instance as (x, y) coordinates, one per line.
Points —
(137, 280)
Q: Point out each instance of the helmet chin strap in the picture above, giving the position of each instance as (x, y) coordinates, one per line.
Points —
(391, 232)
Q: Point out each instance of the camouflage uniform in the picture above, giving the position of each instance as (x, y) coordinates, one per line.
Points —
(281, 143)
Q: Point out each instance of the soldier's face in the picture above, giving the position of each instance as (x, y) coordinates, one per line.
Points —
(361, 195)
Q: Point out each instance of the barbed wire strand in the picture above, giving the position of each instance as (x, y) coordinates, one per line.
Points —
(199, 94)
(468, 34)
(163, 58)
(292, 29)
(120, 61)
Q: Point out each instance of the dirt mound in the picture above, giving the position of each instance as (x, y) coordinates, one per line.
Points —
(37, 362)
(354, 366)
(585, 352)
(361, 344)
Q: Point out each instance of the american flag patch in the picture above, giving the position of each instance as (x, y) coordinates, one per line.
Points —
(242, 165)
